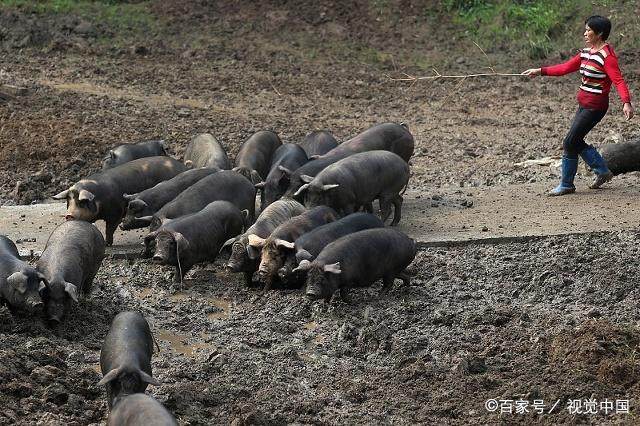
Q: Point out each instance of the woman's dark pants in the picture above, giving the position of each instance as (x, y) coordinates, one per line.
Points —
(583, 122)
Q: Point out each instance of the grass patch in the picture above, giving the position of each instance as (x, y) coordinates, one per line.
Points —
(538, 26)
(120, 16)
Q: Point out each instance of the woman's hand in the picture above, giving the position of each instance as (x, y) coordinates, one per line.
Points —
(532, 72)
(628, 111)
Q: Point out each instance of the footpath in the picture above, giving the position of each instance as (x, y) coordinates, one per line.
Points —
(450, 217)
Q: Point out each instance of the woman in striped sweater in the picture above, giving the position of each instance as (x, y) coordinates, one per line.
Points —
(598, 66)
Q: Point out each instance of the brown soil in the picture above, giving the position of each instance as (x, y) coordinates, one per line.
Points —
(550, 319)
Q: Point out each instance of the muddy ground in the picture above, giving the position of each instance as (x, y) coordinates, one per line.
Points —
(555, 319)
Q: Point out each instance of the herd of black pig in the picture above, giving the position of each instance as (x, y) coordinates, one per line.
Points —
(316, 229)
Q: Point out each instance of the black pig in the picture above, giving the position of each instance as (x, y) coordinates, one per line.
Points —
(72, 256)
(143, 205)
(273, 248)
(205, 151)
(358, 260)
(125, 357)
(20, 283)
(287, 158)
(128, 152)
(140, 409)
(197, 237)
(318, 143)
(225, 185)
(309, 245)
(245, 258)
(357, 181)
(254, 158)
(100, 196)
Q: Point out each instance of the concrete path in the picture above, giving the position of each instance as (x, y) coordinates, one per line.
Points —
(497, 214)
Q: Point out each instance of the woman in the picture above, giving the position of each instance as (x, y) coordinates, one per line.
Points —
(598, 66)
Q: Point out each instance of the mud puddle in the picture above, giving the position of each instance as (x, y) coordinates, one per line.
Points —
(179, 342)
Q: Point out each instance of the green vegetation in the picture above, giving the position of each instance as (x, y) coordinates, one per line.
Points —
(539, 26)
(120, 16)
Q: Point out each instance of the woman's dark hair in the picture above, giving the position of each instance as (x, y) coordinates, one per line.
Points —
(600, 25)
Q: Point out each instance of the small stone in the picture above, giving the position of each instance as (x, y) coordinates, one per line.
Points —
(594, 313)
(485, 229)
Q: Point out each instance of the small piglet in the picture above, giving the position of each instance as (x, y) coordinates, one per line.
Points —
(197, 237)
(125, 358)
(140, 409)
(358, 260)
(72, 256)
(20, 283)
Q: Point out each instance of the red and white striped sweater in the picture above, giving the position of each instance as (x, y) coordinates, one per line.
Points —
(598, 69)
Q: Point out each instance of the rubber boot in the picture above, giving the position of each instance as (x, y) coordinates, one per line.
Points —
(594, 160)
(569, 170)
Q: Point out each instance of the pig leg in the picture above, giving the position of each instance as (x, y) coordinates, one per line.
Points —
(385, 208)
(344, 295)
(397, 209)
(387, 282)
(405, 277)
(110, 229)
(86, 285)
(268, 283)
(248, 279)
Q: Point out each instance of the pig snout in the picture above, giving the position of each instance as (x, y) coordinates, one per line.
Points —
(68, 217)
(263, 273)
(314, 292)
(231, 267)
(282, 272)
(158, 258)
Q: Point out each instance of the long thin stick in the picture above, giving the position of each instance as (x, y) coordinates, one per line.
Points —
(438, 75)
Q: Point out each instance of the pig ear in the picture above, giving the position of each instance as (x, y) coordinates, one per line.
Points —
(227, 243)
(260, 185)
(314, 157)
(71, 290)
(85, 195)
(255, 241)
(189, 164)
(245, 215)
(255, 177)
(284, 243)
(129, 197)
(18, 280)
(137, 204)
(306, 178)
(150, 236)
(304, 265)
(62, 195)
(44, 282)
(181, 241)
(111, 375)
(333, 268)
(284, 170)
(303, 255)
(328, 187)
(148, 379)
(146, 219)
(301, 189)
(253, 252)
